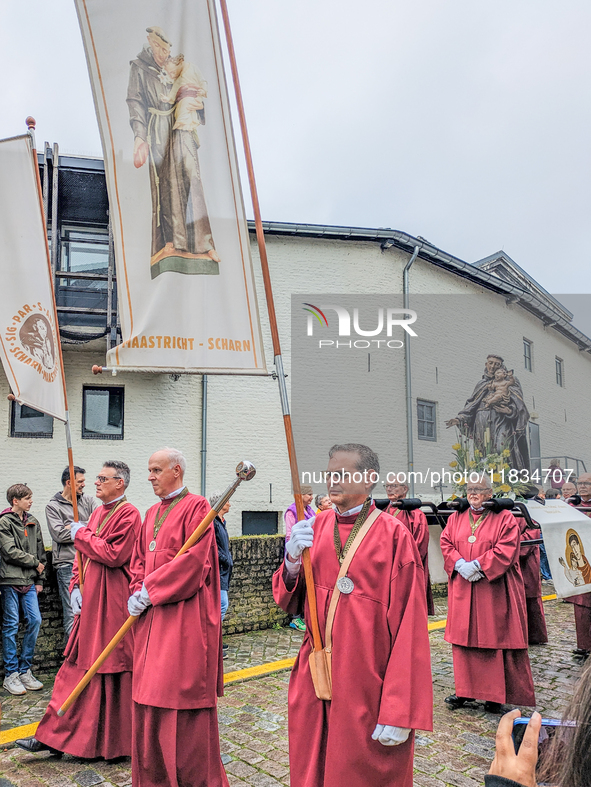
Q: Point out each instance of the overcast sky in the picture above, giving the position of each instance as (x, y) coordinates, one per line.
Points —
(462, 121)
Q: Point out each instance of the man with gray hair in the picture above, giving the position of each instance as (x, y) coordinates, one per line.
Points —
(487, 618)
(99, 601)
(382, 685)
(178, 670)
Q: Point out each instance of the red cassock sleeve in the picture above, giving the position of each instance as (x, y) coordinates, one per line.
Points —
(448, 549)
(420, 532)
(182, 577)
(407, 702)
(115, 550)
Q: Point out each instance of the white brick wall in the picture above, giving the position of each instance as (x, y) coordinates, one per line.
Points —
(244, 412)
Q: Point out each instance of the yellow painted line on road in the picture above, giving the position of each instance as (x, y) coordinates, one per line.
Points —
(9, 736)
(261, 669)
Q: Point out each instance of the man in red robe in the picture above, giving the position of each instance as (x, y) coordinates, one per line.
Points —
(529, 563)
(381, 671)
(416, 522)
(487, 618)
(99, 722)
(582, 603)
(177, 671)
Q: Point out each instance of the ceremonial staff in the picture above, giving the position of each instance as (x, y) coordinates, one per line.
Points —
(30, 121)
(293, 462)
(245, 471)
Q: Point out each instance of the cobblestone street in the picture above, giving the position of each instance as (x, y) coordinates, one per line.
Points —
(253, 718)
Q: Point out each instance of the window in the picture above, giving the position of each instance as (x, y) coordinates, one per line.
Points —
(259, 523)
(426, 420)
(559, 372)
(26, 422)
(527, 354)
(102, 413)
(85, 251)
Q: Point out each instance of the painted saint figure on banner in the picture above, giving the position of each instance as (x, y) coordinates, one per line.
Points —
(165, 98)
(37, 339)
(576, 568)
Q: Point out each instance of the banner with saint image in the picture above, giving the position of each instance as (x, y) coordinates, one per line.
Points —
(29, 339)
(185, 281)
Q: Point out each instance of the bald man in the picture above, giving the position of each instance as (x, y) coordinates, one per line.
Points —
(582, 603)
(487, 618)
(177, 667)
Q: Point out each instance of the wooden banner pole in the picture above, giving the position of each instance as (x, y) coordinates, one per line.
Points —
(30, 121)
(295, 480)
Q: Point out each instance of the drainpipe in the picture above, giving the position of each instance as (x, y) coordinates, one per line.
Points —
(407, 337)
(203, 433)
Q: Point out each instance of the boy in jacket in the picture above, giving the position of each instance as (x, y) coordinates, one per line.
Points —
(22, 566)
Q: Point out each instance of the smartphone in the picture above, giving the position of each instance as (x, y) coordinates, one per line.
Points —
(548, 730)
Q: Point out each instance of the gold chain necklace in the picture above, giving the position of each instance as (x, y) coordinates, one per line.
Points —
(474, 525)
(160, 520)
(361, 517)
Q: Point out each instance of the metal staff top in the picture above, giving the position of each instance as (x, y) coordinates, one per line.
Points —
(245, 471)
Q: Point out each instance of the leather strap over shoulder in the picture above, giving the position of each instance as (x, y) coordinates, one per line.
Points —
(336, 593)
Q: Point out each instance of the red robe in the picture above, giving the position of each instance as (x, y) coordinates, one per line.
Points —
(99, 722)
(416, 522)
(487, 619)
(582, 605)
(381, 667)
(529, 563)
(177, 672)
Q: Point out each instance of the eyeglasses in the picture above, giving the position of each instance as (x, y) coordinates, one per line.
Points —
(102, 478)
(476, 490)
(394, 486)
(584, 483)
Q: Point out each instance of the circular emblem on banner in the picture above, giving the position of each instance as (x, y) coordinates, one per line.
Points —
(345, 585)
(32, 340)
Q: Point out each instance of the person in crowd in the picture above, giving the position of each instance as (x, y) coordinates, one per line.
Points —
(556, 474)
(552, 494)
(177, 669)
(22, 564)
(99, 722)
(290, 516)
(224, 554)
(416, 522)
(59, 514)
(379, 645)
(566, 759)
(582, 603)
(529, 563)
(322, 503)
(487, 613)
(568, 490)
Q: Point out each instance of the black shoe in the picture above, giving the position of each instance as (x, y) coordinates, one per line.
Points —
(225, 648)
(33, 745)
(493, 707)
(581, 653)
(457, 702)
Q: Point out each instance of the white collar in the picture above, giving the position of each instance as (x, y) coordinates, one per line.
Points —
(477, 510)
(173, 494)
(116, 500)
(351, 511)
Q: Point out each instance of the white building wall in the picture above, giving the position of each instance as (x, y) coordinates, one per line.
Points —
(244, 414)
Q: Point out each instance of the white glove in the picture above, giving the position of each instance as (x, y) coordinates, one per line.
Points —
(459, 563)
(75, 527)
(302, 536)
(470, 571)
(76, 601)
(390, 736)
(137, 603)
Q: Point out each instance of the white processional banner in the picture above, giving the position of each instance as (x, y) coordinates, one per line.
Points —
(185, 280)
(29, 339)
(567, 538)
